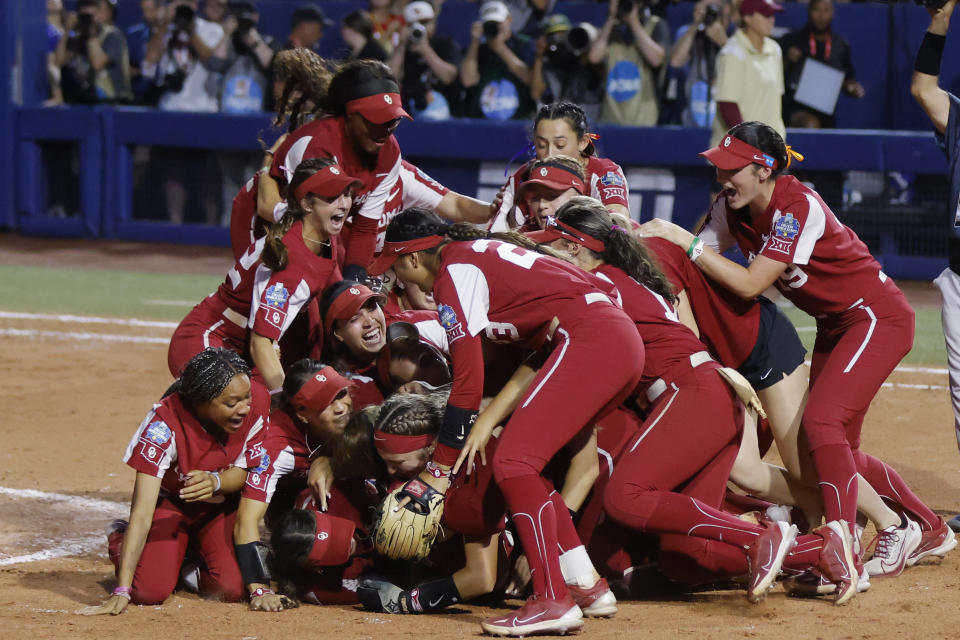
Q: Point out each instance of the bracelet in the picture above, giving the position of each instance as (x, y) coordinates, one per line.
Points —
(123, 592)
(696, 249)
(693, 243)
(437, 471)
(216, 475)
(261, 591)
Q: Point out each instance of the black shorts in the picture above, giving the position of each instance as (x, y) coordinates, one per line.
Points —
(778, 351)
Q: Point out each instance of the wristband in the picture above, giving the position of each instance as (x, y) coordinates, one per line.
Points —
(929, 54)
(123, 592)
(456, 426)
(695, 249)
(437, 471)
(261, 591)
(216, 476)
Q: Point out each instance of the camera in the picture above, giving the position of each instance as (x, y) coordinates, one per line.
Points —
(625, 7)
(418, 32)
(579, 39)
(490, 29)
(183, 17)
(711, 15)
(85, 24)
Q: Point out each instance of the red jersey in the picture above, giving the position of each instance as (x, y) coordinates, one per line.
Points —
(245, 225)
(287, 455)
(506, 294)
(171, 442)
(668, 343)
(829, 268)
(416, 189)
(728, 324)
(327, 138)
(604, 179)
(271, 300)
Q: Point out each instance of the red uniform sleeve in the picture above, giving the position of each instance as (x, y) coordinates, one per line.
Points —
(794, 231)
(672, 261)
(362, 242)
(611, 184)
(153, 447)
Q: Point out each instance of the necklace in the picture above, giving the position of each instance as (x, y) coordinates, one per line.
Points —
(320, 242)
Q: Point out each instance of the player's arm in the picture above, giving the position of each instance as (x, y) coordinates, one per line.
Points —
(926, 70)
(266, 360)
(146, 490)
(460, 208)
(685, 313)
(746, 282)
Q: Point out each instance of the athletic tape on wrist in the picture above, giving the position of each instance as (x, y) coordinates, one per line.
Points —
(456, 426)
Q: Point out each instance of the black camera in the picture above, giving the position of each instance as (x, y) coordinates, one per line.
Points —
(578, 39)
(85, 26)
(173, 82)
(711, 15)
(418, 32)
(490, 29)
(183, 17)
(625, 7)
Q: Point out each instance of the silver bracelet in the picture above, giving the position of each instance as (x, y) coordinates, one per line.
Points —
(216, 475)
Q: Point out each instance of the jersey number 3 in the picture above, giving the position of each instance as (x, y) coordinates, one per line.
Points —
(509, 252)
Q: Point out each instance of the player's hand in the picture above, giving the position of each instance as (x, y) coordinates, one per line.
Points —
(200, 485)
(114, 606)
(271, 602)
(658, 228)
(496, 204)
(319, 480)
(276, 145)
(480, 434)
(440, 484)
(411, 388)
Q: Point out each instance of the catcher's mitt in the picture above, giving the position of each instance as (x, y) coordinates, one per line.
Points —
(408, 533)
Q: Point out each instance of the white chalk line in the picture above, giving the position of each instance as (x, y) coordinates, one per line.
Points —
(74, 335)
(171, 303)
(127, 322)
(70, 546)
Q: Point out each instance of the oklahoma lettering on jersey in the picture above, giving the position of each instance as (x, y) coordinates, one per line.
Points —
(605, 178)
(414, 189)
(529, 290)
(170, 443)
(829, 267)
(668, 343)
(728, 324)
(327, 138)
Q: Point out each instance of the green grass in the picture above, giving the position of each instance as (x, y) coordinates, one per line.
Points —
(928, 347)
(98, 292)
(126, 294)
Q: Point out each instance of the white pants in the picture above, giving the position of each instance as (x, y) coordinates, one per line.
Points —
(949, 284)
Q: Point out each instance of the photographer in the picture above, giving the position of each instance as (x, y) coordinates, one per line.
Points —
(561, 70)
(689, 98)
(426, 65)
(183, 51)
(496, 69)
(247, 56)
(356, 30)
(92, 57)
(632, 44)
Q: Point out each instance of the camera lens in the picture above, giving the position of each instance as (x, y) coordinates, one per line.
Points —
(417, 32)
(490, 29)
(578, 40)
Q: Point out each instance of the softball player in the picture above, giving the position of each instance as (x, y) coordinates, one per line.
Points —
(864, 323)
(507, 293)
(560, 128)
(263, 293)
(190, 453)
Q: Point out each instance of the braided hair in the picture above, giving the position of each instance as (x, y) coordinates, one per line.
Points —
(621, 249)
(274, 254)
(572, 114)
(305, 77)
(763, 137)
(415, 222)
(208, 373)
(412, 414)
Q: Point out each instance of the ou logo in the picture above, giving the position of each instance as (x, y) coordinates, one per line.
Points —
(387, 99)
(323, 535)
(543, 172)
(335, 171)
(276, 316)
(255, 478)
(320, 377)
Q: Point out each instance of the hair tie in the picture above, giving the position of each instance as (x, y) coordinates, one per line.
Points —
(791, 154)
(616, 228)
(592, 136)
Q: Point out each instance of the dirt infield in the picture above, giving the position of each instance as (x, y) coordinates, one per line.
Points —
(70, 406)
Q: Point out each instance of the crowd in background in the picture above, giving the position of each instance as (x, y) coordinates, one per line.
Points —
(209, 56)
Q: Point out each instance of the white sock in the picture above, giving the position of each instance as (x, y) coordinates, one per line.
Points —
(576, 567)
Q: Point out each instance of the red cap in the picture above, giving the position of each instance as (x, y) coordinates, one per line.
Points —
(765, 7)
(328, 182)
(556, 176)
(331, 542)
(554, 230)
(379, 108)
(319, 391)
(733, 153)
(393, 250)
(348, 302)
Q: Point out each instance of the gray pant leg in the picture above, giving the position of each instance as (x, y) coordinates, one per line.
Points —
(949, 284)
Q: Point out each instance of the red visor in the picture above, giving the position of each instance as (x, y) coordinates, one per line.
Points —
(555, 230)
(331, 542)
(393, 250)
(348, 303)
(328, 182)
(554, 176)
(379, 108)
(395, 443)
(320, 390)
(732, 153)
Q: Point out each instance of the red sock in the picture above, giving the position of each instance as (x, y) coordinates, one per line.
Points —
(837, 475)
(804, 555)
(891, 487)
(533, 514)
(567, 536)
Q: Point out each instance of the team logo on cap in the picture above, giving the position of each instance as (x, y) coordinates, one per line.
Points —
(387, 99)
(335, 171)
(543, 172)
(355, 291)
(726, 141)
(320, 377)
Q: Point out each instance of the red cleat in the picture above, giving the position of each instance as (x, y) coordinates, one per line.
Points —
(938, 542)
(765, 557)
(537, 617)
(837, 563)
(597, 601)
